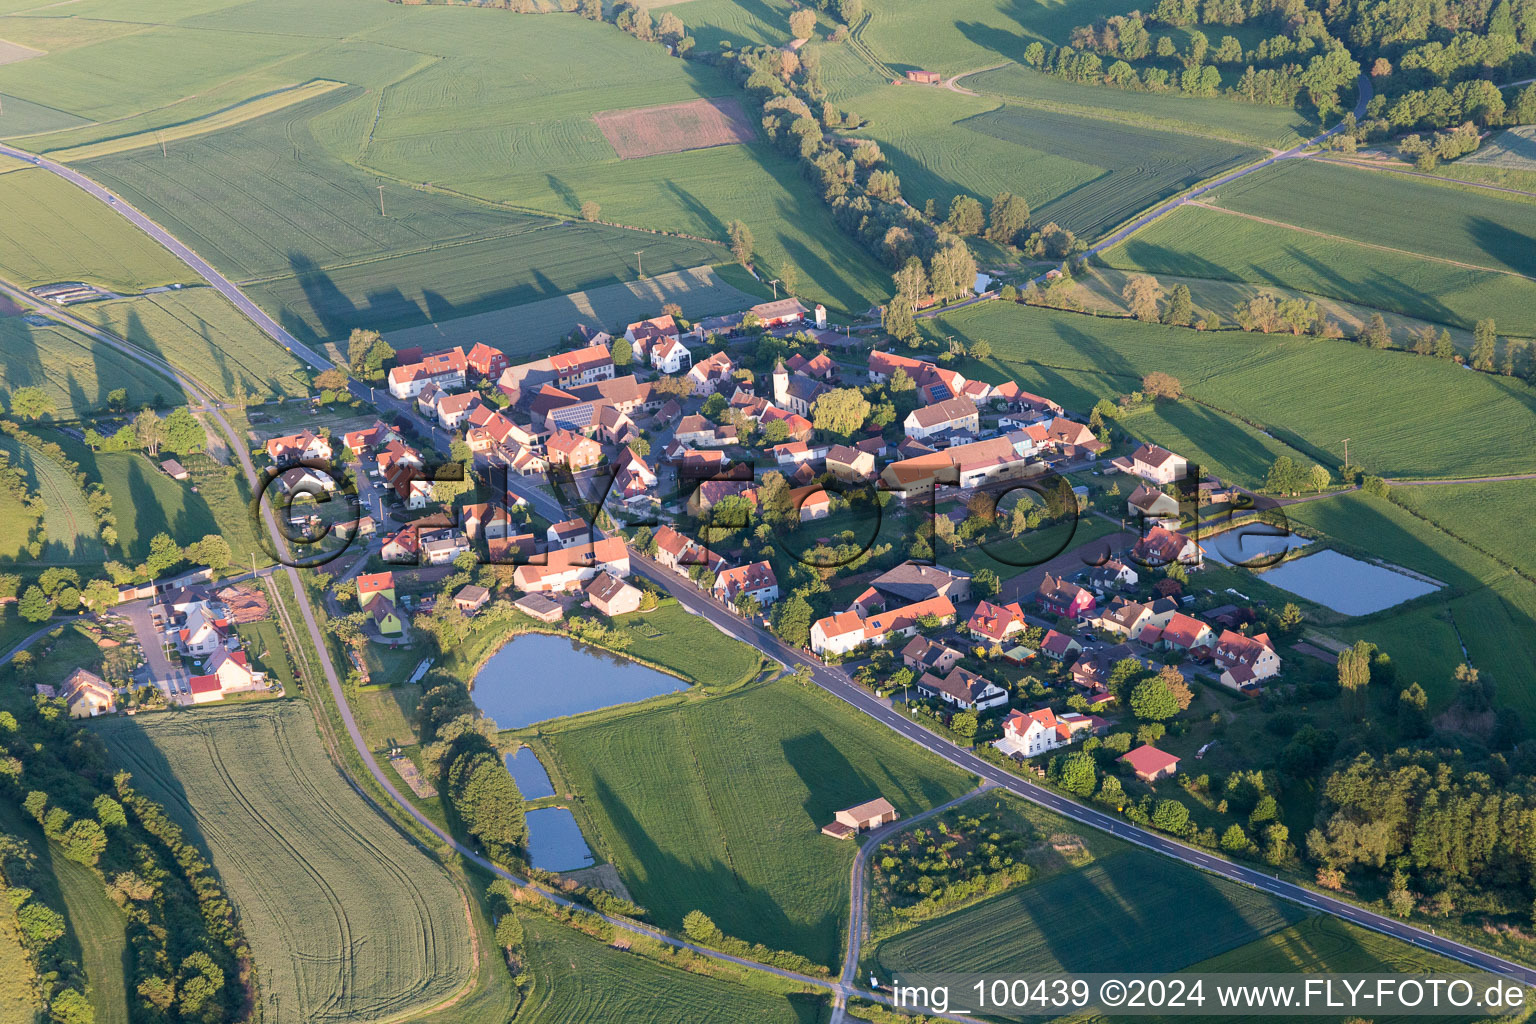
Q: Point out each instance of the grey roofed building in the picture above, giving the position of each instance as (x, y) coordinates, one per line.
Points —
(912, 582)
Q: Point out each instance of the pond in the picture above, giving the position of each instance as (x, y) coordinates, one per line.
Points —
(555, 842)
(536, 677)
(529, 774)
(1346, 584)
(1250, 547)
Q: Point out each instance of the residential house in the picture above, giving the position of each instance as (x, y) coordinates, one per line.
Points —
(482, 519)
(402, 547)
(792, 453)
(995, 622)
(569, 534)
(924, 655)
(1032, 734)
(227, 672)
(448, 369)
(612, 596)
(439, 547)
(658, 341)
(813, 502)
(87, 694)
(568, 568)
(203, 630)
(910, 581)
(1185, 633)
(366, 440)
(1059, 646)
(1113, 573)
(712, 374)
(944, 417)
(1149, 763)
(1160, 546)
(680, 553)
(371, 584)
(471, 598)
(386, 616)
(967, 466)
(1152, 503)
(305, 446)
(851, 465)
(964, 689)
(1154, 464)
(820, 366)
(572, 450)
(756, 581)
(695, 431)
(453, 410)
(842, 632)
(1245, 661)
(484, 362)
(1073, 439)
(796, 426)
(582, 367)
(1057, 596)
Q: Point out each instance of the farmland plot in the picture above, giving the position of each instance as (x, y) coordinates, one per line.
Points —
(75, 371)
(963, 35)
(71, 528)
(347, 919)
(683, 799)
(675, 127)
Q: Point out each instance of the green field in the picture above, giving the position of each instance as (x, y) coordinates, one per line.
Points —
(76, 372)
(50, 233)
(1514, 148)
(1083, 173)
(102, 930)
(1095, 918)
(203, 336)
(1494, 517)
(532, 326)
(964, 35)
(1213, 244)
(16, 976)
(738, 22)
(690, 646)
(1303, 391)
(578, 980)
(1249, 122)
(305, 861)
(71, 528)
(716, 806)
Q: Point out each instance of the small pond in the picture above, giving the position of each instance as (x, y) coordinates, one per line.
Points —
(536, 677)
(1250, 548)
(1346, 584)
(555, 842)
(529, 774)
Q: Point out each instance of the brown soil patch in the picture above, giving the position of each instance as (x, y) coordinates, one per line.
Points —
(674, 128)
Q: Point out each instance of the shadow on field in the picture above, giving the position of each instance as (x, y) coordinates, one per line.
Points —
(1515, 250)
(1160, 259)
(740, 910)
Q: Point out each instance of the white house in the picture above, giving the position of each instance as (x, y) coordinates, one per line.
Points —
(964, 689)
(756, 580)
(1151, 462)
(1034, 733)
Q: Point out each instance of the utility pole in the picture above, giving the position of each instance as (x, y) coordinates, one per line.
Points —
(1346, 451)
(161, 139)
(381, 200)
(775, 283)
(640, 263)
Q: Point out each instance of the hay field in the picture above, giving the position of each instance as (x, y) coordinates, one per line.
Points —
(75, 371)
(716, 805)
(675, 127)
(306, 862)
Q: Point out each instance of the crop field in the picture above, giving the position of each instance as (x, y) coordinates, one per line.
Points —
(750, 23)
(1303, 391)
(71, 528)
(10, 53)
(532, 326)
(1513, 147)
(76, 372)
(48, 234)
(965, 35)
(1495, 517)
(235, 114)
(689, 645)
(1249, 122)
(675, 127)
(1095, 918)
(1211, 243)
(716, 806)
(200, 333)
(305, 860)
(619, 986)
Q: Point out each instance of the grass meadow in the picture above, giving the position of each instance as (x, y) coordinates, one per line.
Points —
(1303, 391)
(1494, 516)
(305, 860)
(76, 372)
(203, 336)
(690, 646)
(966, 35)
(717, 806)
(615, 985)
(16, 976)
(71, 528)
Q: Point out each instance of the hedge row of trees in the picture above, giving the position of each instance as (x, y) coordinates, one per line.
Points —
(96, 496)
(58, 982)
(184, 946)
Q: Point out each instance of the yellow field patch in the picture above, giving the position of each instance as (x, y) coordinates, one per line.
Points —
(10, 53)
(239, 113)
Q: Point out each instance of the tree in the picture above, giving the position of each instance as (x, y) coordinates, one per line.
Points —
(700, 929)
(965, 216)
(1181, 309)
(148, 432)
(1079, 775)
(367, 352)
(1142, 294)
(851, 11)
(34, 605)
(1151, 701)
(1260, 313)
(1376, 333)
(1009, 218)
(591, 210)
(182, 433)
(31, 403)
(841, 411)
(1284, 477)
(1234, 839)
(964, 723)
(1483, 342)
(985, 583)
(802, 23)
(212, 551)
(1173, 679)
(1170, 816)
(792, 621)
(1319, 478)
(1162, 385)
(1413, 712)
(741, 242)
(164, 553)
(99, 595)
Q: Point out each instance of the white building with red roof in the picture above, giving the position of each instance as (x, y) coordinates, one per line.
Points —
(303, 446)
(485, 362)
(228, 672)
(996, 622)
(1032, 734)
(842, 632)
(447, 369)
(1149, 763)
(569, 568)
(757, 581)
(1185, 633)
(1244, 661)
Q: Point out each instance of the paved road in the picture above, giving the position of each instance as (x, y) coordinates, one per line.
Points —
(31, 638)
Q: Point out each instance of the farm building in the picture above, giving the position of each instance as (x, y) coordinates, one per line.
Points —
(1151, 764)
(853, 820)
(175, 470)
(925, 77)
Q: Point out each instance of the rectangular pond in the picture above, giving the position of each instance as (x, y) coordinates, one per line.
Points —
(536, 677)
(1251, 547)
(555, 842)
(529, 774)
(1346, 584)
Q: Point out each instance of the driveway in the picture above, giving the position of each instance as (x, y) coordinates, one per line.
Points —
(163, 672)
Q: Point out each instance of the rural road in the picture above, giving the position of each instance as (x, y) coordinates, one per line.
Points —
(835, 682)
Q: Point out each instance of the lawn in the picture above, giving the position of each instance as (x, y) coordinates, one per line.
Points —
(1096, 918)
(1208, 243)
(16, 977)
(716, 806)
(305, 861)
(1305, 392)
(619, 986)
(49, 233)
(76, 372)
(71, 528)
(1084, 173)
(690, 646)
(204, 337)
